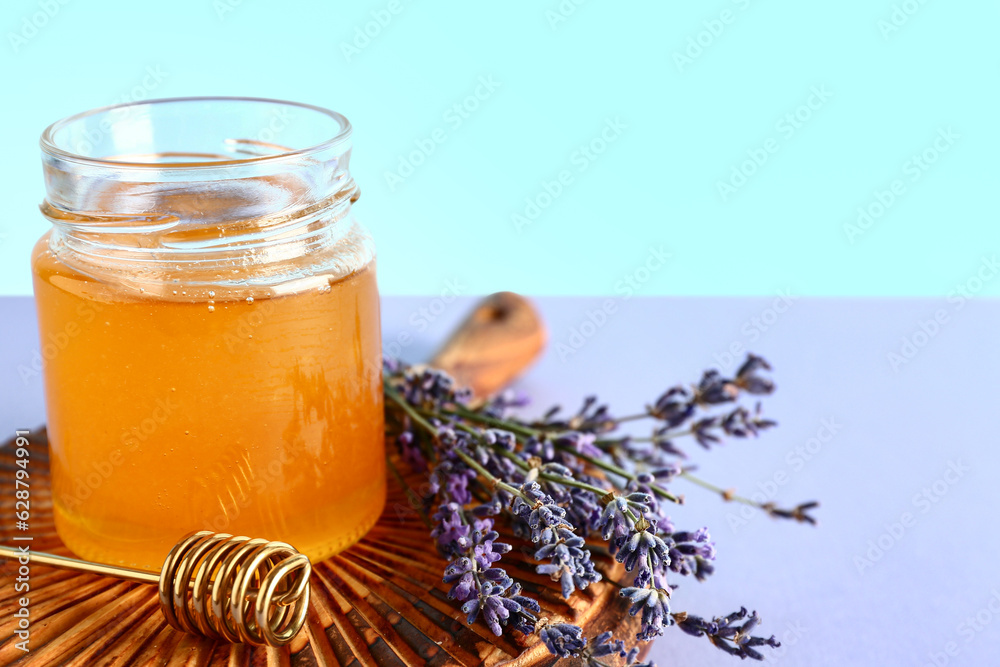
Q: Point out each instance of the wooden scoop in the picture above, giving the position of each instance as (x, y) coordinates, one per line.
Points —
(501, 338)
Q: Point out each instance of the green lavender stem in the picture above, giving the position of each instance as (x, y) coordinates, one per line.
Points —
(719, 490)
(621, 472)
(526, 431)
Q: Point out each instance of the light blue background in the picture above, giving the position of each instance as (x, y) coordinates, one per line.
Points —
(687, 127)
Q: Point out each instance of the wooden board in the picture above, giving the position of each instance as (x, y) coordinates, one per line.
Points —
(381, 602)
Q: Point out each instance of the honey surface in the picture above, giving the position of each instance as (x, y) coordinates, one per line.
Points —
(253, 416)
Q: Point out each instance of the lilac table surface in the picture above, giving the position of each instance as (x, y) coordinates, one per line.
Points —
(901, 450)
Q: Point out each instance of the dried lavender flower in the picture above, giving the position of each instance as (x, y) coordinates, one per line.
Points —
(654, 604)
(728, 635)
(563, 639)
(559, 481)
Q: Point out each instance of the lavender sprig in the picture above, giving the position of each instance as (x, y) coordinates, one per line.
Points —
(567, 641)
(476, 583)
(728, 635)
(561, 480)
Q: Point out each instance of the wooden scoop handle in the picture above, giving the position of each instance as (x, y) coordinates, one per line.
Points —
(499, 339)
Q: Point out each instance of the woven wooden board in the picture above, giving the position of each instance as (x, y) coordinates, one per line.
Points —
(381, 602)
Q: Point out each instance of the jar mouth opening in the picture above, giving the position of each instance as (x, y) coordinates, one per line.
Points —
(195, 132)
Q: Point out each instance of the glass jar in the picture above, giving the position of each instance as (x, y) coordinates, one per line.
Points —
(212, 305)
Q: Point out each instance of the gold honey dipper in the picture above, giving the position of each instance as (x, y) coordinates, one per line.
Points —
(259, 593)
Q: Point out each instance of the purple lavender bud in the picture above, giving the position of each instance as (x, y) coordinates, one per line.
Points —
(726, 621)
(502, 439)
(667, 447)
(562, 639)
(640, 500)
(583, 509)
(715, 389)
(494, 613)
(654, 603)
(579, 442)
(464, 588)
(703, 569)
(499, 404)
(450, 530)
(543, 449)
(748, 379)
(481, 526)
(515, 398)
(748, 627)
(674, 407)
(644, 549)
(604, 645)
(666, 473)
(410, 451)
(702, 431)
(728, 634)
(614, 521)
(557, 469)
(690, 551)
(471, 609)
(491, 508)
(737, 424)
(457, 486)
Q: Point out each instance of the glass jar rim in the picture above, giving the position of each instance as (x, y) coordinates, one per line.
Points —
(50, 146)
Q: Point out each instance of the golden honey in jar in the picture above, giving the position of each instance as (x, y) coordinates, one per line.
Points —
(221, 365)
